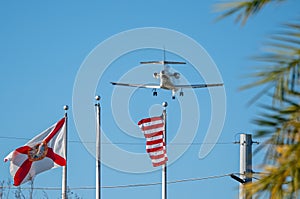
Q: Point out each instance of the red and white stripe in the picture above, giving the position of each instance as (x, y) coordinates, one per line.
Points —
(153, 129)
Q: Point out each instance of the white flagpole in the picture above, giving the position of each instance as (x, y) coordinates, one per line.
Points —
(64, 171)
(98, 148)
(164, 167)
(31, 189)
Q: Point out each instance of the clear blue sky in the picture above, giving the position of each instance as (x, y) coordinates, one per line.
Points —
(43, 45)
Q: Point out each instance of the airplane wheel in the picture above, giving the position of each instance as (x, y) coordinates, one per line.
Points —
(181, 94)
(154, 93)
(173, 97)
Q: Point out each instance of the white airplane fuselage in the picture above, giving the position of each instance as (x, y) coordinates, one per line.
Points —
(166, 80)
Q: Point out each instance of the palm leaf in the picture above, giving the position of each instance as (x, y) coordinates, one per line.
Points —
(243, 9)
(281, 61)
(280, 75)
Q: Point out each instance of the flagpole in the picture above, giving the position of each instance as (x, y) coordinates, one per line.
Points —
(98, 148)
(31, 189)
(64, 171)
(164, 166)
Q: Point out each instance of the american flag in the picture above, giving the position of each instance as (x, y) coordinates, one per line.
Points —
(153, 129)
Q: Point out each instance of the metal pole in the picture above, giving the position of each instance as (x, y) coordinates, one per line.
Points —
(64, 171)
(245, 163)
(164, 167)
(31, 189)
(98, 148)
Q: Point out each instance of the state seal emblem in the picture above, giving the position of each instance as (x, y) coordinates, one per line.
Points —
(38, 152)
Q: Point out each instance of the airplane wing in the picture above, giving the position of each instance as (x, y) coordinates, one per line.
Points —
(136, 85)
(198, 85)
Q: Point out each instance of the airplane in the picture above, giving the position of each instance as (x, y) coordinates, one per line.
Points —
(166, 80)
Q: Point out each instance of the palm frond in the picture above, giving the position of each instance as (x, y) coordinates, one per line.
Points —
(278, 122)
(243, 9)
(279, 75)
(281, 60)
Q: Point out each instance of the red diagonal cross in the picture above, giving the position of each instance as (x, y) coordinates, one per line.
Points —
(26, 165)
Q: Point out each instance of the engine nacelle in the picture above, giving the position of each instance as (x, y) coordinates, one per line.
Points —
(156, 75)
(177, 75)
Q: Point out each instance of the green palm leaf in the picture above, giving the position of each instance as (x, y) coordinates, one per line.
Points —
(243, 9)
(279, 74)
(281, 59)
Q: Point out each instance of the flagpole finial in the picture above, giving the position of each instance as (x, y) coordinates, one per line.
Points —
(165, 104)
(97, 97)
(66, 107)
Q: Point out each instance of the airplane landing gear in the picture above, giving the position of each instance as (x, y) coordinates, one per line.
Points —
(181, 93)
(173, 94)
(154, 92)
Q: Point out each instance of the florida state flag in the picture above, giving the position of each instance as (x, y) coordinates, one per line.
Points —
(43, 152)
